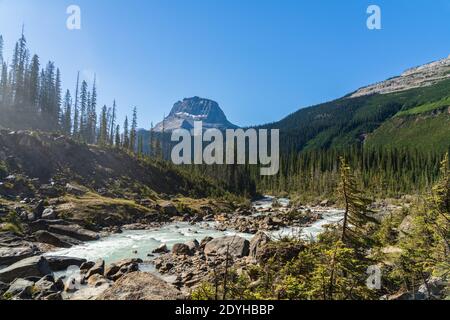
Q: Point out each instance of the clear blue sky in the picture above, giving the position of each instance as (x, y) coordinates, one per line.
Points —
(260, 59)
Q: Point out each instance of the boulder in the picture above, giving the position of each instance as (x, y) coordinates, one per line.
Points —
(141, 286)
(168, 208)
(10, 255)
(62, 263)
(48, 214)
(74, 231)
(118, 269)
(257, 242)
(405, 227)
(20, 287)
(56, 240)
(205, 241)
(97, 280)
(75, 190)
(98, 268)
(161, 249)
(38, 210)
(181, 249)
(434, 289)
(193, 245)
(86, 266)
(45, 287)
(236, 246)
(29, 267)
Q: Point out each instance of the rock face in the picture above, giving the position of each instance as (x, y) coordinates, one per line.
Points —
(10, 255)
(62, 263)
(29, 267)
(422, 76)
(74, 231)
(236, 246)
(257, 243)
(185, 112)
(141, 286)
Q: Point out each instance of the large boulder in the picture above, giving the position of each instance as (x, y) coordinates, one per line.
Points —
(98, 268)
(57, 263)
(161, 249)
(169, 208)
(257, 243)
(10, 255)
(48, 214)
(181, 249)
(29, 267)
(20, 287)
(236, 246)
(53, 239)
(74, 231)
(141, 286)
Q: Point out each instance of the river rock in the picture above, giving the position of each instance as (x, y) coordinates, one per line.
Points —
(236, 246)
(29, 267)
(181, 249)
(98, 268)
(62, 263)
(141, 286)
(10, 255)
(161, 249)
(74, 231)
(257, 242)
(20, 287)
(168, 208)
(193, 245)
(204, 241)
(56, 240)
(434, 289)
(38, 210)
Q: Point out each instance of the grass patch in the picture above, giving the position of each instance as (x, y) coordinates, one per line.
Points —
(427, 107)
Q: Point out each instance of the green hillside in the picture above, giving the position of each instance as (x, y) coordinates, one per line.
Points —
(349, 121)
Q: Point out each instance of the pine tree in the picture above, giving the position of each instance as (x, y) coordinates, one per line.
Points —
(67, 114)
(4, 86)
(34, 83)
(1, 49)
(103, 134)
(76, 113)
(117, 141)
(83, 109)
(357, 214)
(126, 138)
(56, 109)
(133, 131)
(112, 123)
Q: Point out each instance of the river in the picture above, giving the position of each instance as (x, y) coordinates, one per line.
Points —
(140, 243)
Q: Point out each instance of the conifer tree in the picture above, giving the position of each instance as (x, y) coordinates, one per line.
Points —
(4, 86)
(33, 88)
(76, 113)
(133, 131)
(83, 109)
(103, 134)
(67, 114)
(357, 214)
(112, 123)
(117, 141)
(126, 138)
(56, 108)
(1, 49)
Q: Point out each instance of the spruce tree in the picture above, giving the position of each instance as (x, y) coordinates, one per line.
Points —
(133, 131)
(112, 123)
(83, 109)
(126, 138)
(67, 114)
(357, 213)
(76, 113)
(1, 49)
(34, 83)
(117, 141)
(103, 134)
(56, 109)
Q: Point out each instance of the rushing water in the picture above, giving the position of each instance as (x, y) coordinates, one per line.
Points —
(139, 244)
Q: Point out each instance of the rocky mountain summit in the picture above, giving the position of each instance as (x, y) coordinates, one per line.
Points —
(184, 113)
(422, 76)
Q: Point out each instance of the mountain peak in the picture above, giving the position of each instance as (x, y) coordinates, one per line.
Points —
(421, 76)
(185, 112)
